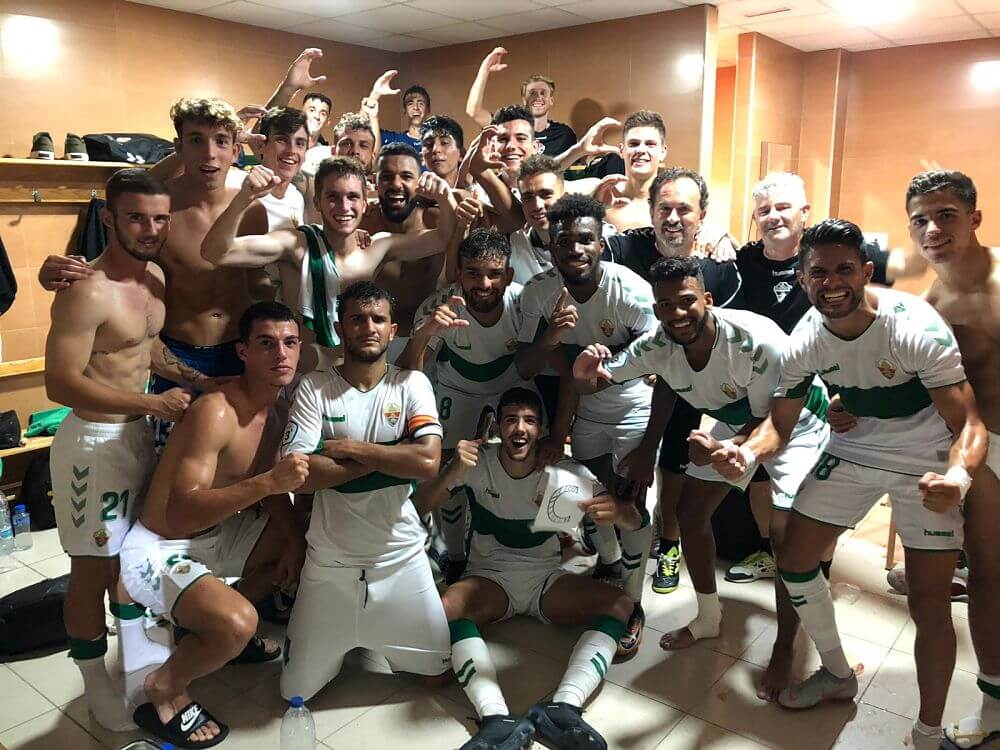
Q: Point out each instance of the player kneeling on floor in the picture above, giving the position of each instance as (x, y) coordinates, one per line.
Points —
(513, 570)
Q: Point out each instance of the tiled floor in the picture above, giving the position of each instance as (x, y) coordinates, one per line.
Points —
(700, 698)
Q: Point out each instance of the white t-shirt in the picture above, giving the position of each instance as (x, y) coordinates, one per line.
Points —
(369, 521)
(616, 314)
(314, 156)
(527, 259)
(882, 377)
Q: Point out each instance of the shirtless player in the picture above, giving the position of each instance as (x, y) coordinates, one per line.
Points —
(98, 357)
(219, 461)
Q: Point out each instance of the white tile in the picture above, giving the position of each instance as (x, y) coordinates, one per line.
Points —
(51, 731)
(9, 563)
(54, 567)
(872, 727)
(692, 734)
(944, 38)
(17, 578)
(78, 711)
(744, 12)
(398, 19)
(244, 677)
(910, 29)
(324, 8)
(893, 12)
(240, 11)
(895, 689)
(965, 655)
(780, 27)
(187, 6)
(602, 10)
(45, 545)
(336, 30)
(527, 632)
(55, 676)
(534, 20)
(869, 616)
(20, 701)
(627, 720)
(473, 11)
(399, 43)
(461, 32)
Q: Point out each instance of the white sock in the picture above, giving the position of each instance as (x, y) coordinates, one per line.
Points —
(985, 721)
(589, 661)
(452, 515)
(924, 737)
(109, 707)
(706, 624)
(474, 668)
(134, 646)
(604, 540)
(635, 552)
(810, 595)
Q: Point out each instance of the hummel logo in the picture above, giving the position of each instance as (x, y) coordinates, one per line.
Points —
(80, 473)
(459, 346)
(828, 370)
(684, 390)
(342, 418)
(929, 532)
(189, 717)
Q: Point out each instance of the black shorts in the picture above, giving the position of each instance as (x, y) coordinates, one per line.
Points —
(674, 445)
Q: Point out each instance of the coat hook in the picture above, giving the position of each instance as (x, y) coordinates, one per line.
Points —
(36, 196)
(93, 195)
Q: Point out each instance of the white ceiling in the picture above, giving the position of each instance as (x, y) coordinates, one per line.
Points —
(405, 25)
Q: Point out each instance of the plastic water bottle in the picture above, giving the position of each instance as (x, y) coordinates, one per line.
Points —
(6, 529)
(22, 528)
(298, 730)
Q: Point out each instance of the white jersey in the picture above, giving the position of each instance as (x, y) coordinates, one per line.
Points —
(738, 382)
(478, 359)
(527, 258)
(319, 285)
(314, 157)
(615, 315)
(882, 376)
(502, 510)
(368, 521)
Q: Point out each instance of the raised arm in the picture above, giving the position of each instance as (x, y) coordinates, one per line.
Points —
(443, 317)
(194, 503)
(433, 493)
(483, 164)
(77, 313)
(221, 245)
(370, 105)
(296, 79)
(592, 144)
(415, 245)
(492, 63)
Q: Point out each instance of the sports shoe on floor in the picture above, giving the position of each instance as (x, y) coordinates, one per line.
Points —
(75, 149)
(502, 733)
(896, 578)
(610, 572)
(666, 577)
(42, 146)
(821, 686)
(754, 566)
(628, 644)
(561, 726)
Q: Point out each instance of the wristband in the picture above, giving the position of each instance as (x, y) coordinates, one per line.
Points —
(748, 457)
(959, 476)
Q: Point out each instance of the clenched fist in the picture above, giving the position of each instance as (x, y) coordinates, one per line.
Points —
(289, 473)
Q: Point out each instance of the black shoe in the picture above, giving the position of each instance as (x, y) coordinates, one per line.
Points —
(502, 733)
(560, 726)
(75, 149)
(276, 608)
(667, 576)
(628, 644)
(454, 570)
(42, 147)
(610, 572)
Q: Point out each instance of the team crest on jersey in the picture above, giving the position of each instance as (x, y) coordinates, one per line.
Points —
(887, 368)
(101, 537)
(392, 413)
(607, 327)
(781, 290)
(729, 390)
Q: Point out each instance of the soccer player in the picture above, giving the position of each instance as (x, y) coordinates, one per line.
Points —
(371, 429)
(513, 570)
(896, 366)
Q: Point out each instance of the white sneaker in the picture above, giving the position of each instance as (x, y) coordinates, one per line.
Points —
(753, 567)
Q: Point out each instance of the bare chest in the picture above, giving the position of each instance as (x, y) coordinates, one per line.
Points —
(137, 317)
(632, 215)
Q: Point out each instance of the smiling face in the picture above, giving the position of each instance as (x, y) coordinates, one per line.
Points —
(284, 154)
(677, 215)
(397, 186)
(341, 203)
(781, 215)
(365, 328)
(576, 249)
(643, 151)
(538, 98)
(834, 278)
(941, 225)
(416, 108)
(516, 142)
(317, 111)
(441, 154)
(681, 305)
(484, 281)
(520, 426)
(140, 223)
(272, 352)
(357, 143)
(207, 152)
(539, 192)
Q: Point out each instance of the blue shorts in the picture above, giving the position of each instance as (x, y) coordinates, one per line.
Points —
(217, 360)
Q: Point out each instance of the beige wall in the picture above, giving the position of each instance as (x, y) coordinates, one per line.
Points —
(603, 69)
(821, 136)
(720, 180)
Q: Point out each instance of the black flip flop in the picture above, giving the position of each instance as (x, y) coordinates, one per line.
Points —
(176, 731)
(255, 652)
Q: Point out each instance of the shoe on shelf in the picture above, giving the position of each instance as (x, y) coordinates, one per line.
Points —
(753, 567)
(42, 147)
(75, 149)
(666, 577)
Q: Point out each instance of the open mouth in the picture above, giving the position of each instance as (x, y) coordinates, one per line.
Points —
(209, 170)
(396, 200)
(518, 443)
(681, 326)
(835, 298)
(290, 161)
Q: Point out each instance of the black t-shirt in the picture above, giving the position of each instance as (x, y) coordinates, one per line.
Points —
(556, 138)
(636, 248)
(770, 287)
(600, 167)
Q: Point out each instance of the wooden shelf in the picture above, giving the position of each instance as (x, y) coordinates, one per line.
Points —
(28, 445)
(22, 367)
(36, 182)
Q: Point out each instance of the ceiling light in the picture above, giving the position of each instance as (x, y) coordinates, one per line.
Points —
(985, 76)
(31, 45)
(873, 13)
(691, 67)
(769, 12)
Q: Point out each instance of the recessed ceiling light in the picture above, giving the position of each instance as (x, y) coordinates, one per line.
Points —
(868, 13)
(771, 12)
(985, 76)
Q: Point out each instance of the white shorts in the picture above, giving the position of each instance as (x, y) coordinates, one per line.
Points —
(394, 610)
(156, 571)
(99, 475)
(993, 456)
(840, 493)
(787, 470)
(593, 439)
(524, 585)
(459, 412)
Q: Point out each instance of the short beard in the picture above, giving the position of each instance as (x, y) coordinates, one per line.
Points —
(397, 216)
(130, 249)
(697, 331)
(362, 356)
(481, 307)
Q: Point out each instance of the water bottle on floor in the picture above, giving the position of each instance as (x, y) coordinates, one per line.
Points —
(298, 730)
(6, 528)
(22, 528)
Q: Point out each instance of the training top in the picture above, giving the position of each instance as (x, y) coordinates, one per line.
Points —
(616, 314)
(477, 360)
(502, 509)
(882, 377)
(369, 521)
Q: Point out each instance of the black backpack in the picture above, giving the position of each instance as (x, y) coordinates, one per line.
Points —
(10, 429)
(36, 494)
(31, 618)
(133, 148)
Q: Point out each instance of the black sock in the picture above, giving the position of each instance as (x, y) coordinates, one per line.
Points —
(666, 544)
(825, 566)
(765, 546)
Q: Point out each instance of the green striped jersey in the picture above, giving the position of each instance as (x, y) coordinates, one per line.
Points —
(882, 377)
